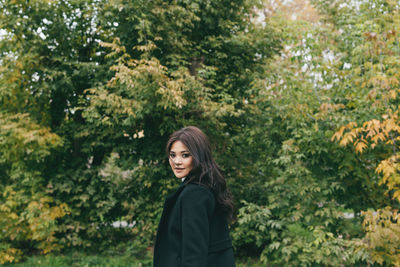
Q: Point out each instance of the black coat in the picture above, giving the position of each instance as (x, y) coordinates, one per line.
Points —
(193, 232)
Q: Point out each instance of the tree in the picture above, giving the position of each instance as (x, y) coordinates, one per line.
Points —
(111, 80)
(303, 183)
(28, 215)
(374, 72)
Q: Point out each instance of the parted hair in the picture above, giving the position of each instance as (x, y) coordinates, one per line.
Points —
(205, 170)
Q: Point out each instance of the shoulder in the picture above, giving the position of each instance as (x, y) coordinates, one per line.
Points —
(197, 189)
(196, 195)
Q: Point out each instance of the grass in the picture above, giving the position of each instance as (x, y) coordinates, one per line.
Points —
(80, 259)
(74, 259)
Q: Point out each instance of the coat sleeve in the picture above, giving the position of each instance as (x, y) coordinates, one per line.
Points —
(197, 206)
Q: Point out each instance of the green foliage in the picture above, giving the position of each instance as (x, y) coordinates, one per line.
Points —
(300, 223)
(109, 81)
(299, 183)
(374, 72)
(28, 216)
(91, 90)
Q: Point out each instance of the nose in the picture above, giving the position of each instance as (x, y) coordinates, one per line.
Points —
(177, 160)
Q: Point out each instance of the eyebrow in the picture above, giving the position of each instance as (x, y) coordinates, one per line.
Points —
(181, 151)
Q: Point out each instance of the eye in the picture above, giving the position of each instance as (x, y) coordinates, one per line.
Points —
(172, 155)
(185, 155)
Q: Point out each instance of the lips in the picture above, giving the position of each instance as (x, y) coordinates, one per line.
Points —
(179, 169)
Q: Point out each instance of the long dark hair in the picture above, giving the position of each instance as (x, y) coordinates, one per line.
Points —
(205, 170)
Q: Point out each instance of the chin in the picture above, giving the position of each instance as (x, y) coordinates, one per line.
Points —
(180, 175)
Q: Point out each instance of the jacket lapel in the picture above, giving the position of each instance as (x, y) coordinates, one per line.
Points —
(169, 204)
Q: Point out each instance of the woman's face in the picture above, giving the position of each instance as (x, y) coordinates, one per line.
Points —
(180, 159)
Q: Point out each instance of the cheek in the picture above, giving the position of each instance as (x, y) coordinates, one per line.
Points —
(190, 163)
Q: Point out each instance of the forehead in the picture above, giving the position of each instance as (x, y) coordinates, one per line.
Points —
(178, 146)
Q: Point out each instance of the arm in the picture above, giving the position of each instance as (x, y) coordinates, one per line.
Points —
(197, 206)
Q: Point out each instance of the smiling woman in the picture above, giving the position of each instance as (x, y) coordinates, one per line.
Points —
(180, 159)
(193, 230)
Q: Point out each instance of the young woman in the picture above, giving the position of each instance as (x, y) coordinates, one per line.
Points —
(193, 230)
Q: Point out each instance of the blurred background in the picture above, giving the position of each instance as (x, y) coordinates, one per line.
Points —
(300, 100)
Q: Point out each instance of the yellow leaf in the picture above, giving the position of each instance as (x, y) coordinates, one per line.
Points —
(386, 168)
(396, 195)
(338, 135)
(360, 146)
(392, 94)
(347, 138)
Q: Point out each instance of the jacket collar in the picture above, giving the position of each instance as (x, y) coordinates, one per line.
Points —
(175, 194)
